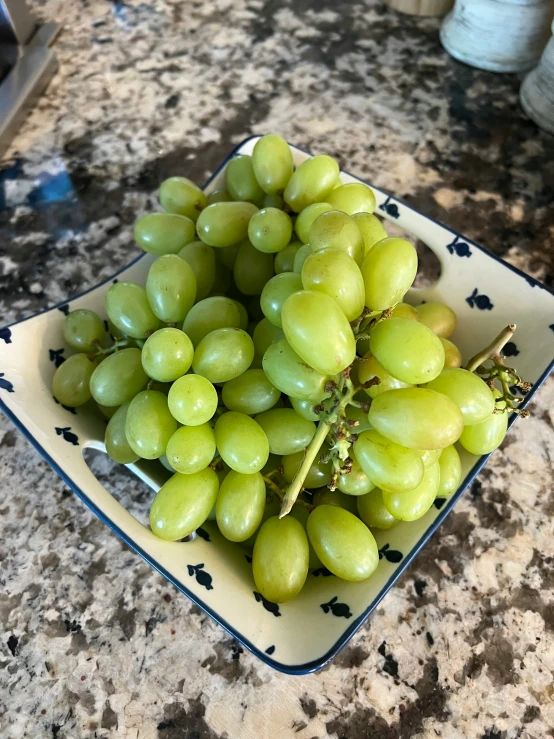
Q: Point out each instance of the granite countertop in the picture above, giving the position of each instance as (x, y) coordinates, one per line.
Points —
(95, 643)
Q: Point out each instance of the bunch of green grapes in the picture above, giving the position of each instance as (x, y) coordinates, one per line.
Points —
(271, 364)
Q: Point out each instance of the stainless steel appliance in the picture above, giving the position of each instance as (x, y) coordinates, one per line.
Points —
(27, 64)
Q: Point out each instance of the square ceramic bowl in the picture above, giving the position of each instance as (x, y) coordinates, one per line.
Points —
(301, 636)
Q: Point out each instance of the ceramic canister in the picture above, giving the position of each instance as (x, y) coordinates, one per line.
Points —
(497, 35)
(537, 90)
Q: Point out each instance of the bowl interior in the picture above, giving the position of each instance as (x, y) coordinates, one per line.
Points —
(300, 636)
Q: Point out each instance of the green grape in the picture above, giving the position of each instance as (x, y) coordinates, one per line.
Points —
(275, 292)
(407, 350)
(167, 354)
(165, 463)
(241, 442)
(389, 270)
(71, 383)
(450, 467)
(210, 314)
(219, 196)
(304, 408)
(171, 288)
(115, 440)
(118, 378)
(270, 230)
(311, 182)
(164, 233)
(337, 230)
(343, 543)
(243, 315)
(272, 163)
(470, 393)
(250, 393)
(224, 224)
(318, 331)
(227, 255)
(180, 195)
(438, 317)
(388, 465)
(415, 504)
(306, 217)
(284, 260)
(84, 330)
(485, 437)
(222, 282)
(149, 424)
(253, 269)
(353, 198)
(273, 201)
(334, 273)
(192, 400)
(183, 503)
(291, 375)
(324, 496)
(300, 257)
(372, 511)
(417, 418)
(280, 559)
(371, 228)
(191, 448)
(452, 356)
(241, 182)
(404, 310)
(356, 482)
(369, 368)
(272, 508)
(223, 354)
(286, 431)
(265, 334)
(107, 411)
(357, 414)
(318, 475)
(301, 514)
(201, 258)
(273, 461)
(128, 308)
(429, 456)
(240, 505)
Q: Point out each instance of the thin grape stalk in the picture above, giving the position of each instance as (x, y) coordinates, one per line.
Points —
(340, 431)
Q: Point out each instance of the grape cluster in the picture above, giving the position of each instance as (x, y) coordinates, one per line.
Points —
(270, 364)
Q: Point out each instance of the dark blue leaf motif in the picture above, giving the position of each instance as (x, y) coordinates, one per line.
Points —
(248, 558)
(68, 435)
(56, 356)
(481, 302)
(6, 384)
(323, 571)
(114, 282)
(515, 390)
(64, 309)
(203, 534)
(460, 248)
(202, 577)
(391, 555)
(337, 609)
(439, 502)
(551, 327)
(6, 334)
(267, 604)
(390, 208)
(65, 407)
(510, 350)
(270, 650)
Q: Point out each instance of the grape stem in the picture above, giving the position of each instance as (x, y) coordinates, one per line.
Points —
(323, 429)
(492, 351)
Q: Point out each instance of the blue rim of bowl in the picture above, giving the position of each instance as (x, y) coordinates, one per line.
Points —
(319, 663)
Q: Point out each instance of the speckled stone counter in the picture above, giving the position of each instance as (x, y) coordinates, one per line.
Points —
(95, 643)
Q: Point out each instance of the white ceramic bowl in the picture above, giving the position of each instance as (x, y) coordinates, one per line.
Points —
(303, 635)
